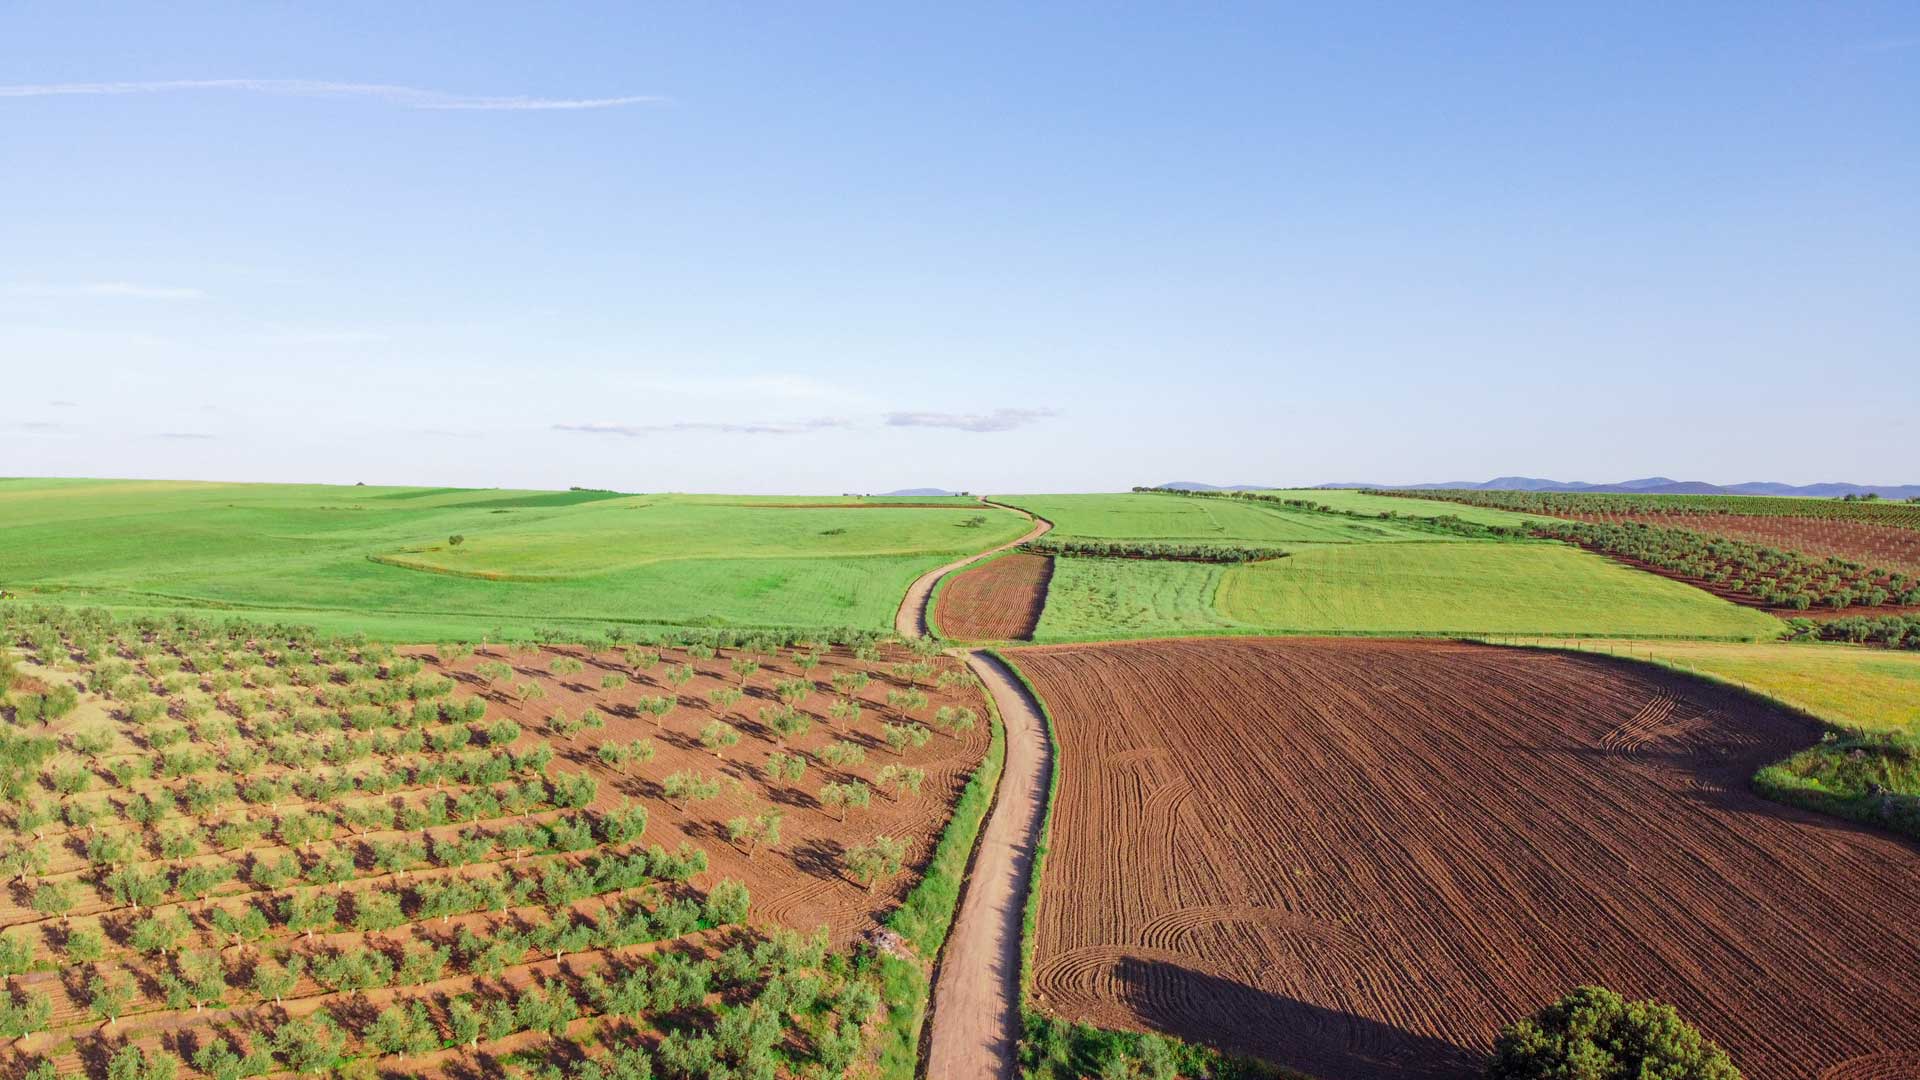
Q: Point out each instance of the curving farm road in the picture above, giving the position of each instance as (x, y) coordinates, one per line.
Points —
(911, 620)
(974, 1028)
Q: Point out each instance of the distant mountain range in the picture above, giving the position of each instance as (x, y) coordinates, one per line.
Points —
(919, 493)
(1650, 485)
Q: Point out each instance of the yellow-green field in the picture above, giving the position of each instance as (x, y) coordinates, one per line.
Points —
(1847, 685)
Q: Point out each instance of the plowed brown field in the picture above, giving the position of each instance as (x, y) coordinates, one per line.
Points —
(999, 600)
(1361, 858)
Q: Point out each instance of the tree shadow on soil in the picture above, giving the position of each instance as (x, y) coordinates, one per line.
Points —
(1329, 1044)
(1740, 736)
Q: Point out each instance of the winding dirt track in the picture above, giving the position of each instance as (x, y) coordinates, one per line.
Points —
(911, 620)
(975, 1022)
(973, 1027)
(1360, 858)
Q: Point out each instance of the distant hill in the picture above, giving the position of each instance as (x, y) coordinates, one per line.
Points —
(1192, 485)
(920, 493)
(1661, 485)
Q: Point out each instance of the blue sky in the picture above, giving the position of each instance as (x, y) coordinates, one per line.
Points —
(836, 247)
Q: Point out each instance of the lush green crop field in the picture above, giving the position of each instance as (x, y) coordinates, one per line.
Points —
(1474, 587)
(1434, 588)
(1174, 518)
(379, 560)
(1118, 598)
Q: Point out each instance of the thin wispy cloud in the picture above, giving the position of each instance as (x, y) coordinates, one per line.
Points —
(184, 435)
(64, 404)
(997, 420)
(634, 431)
(410, 97)
(108, 289)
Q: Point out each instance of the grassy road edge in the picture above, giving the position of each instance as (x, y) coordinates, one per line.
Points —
(925, 917)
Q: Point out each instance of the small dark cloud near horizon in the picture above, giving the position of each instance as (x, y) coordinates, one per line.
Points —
(633, 431)
(182, 435)
(997, 420)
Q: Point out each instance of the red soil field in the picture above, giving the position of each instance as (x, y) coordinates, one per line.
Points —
(798, 884)
(1884, 546)
(998, 600)
(1362, 858)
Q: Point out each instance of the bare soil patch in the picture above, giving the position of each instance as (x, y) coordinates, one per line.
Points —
(1361, 858)
(999, 600)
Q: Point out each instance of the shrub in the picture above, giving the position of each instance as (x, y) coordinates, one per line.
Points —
(1595, 1034)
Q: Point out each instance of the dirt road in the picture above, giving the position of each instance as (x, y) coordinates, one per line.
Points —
(911, 620)
(976, 992)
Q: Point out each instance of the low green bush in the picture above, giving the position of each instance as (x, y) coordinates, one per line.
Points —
(1595, 1034)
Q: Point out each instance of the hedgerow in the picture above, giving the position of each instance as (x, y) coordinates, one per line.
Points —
(1150, 549)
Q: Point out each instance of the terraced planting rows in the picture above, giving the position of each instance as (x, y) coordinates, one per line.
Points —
(257, 850)
(1904, 515)
(1875, 534)
(1359, 859)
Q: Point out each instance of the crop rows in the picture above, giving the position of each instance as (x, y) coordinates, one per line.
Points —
(1904, 515)
(1739, 570)
(255, 850)
(1358, 858)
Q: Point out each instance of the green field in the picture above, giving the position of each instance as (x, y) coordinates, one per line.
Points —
(1433, 588)
(1176, 519)
(379, 559)
(1474, 587)
(1120, 598)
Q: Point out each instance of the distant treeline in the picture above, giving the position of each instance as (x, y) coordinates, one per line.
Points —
(1893, 631)
(1150, 549)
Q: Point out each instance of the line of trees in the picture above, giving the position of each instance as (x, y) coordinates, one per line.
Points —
(1150, 549)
